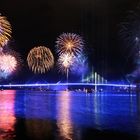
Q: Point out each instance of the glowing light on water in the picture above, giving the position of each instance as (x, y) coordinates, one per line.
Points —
(64, 122)
(7, 114)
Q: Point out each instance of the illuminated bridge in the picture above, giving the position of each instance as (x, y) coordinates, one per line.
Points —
(52, 85)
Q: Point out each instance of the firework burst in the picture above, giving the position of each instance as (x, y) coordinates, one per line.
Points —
(40, 59)
(9, 63)
(130, 35)
(69, 43)
(130, 28)
(65, 62)
(5, 31)
(80, 65)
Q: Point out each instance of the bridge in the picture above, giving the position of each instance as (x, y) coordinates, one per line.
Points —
(66, 84)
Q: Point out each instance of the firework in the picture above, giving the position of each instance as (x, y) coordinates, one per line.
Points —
(5, 31)
(130, 33)
(69, 43)
(79, 65)
(130, 28)
(8, 65)
(40, 59)
(65, 62)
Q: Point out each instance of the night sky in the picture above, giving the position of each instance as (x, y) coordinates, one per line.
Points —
(40, 22)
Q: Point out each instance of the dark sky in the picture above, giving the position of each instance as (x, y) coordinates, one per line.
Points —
(39, 22)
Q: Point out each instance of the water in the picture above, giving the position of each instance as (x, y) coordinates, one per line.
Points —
(67, 115)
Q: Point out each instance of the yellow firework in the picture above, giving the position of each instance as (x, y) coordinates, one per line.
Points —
(5, 31)
(40, 59)
(69, 43)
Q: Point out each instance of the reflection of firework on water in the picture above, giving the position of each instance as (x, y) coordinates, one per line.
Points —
(69, 43)
(80, 65)
(8, 64)
(40, 59)
(5, 31)
(65, 62)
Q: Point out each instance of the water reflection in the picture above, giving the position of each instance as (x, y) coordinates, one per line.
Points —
(64, 122)
(96, 110)
(38, 129)
(7, 116)
(38, 126)
(111, 109)
(138, 113)
(66, 115)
